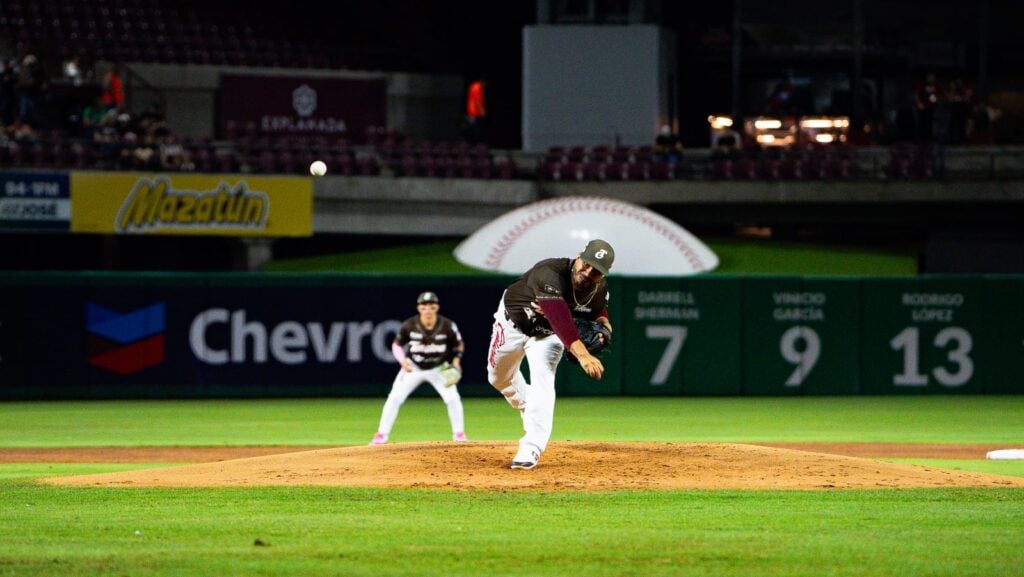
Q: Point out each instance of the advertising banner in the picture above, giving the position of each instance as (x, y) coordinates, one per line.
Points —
(112, 335)
(801, 336)
(294, 105)
(185, 204)
(35, 201)
(236, 335)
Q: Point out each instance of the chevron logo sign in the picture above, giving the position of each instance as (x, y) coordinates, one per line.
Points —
(125, 342)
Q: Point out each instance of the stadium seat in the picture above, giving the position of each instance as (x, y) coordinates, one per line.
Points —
(663, 171)
(549, 170)
(640, 170)
(463, 167)
(483, 168)
(367, 166)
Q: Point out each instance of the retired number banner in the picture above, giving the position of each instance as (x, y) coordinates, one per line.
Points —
(135, 203)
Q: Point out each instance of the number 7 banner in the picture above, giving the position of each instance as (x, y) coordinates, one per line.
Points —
(683, 336)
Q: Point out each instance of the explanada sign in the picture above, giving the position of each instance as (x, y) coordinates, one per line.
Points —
(303, 105)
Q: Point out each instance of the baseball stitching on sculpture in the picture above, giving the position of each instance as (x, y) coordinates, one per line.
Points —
(556, 207)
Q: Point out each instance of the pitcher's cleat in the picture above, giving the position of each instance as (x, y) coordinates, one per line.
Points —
(459, 437)
(379, 439)
(525, 459)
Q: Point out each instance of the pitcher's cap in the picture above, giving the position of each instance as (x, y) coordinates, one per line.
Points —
(426, 298)
(599, 254)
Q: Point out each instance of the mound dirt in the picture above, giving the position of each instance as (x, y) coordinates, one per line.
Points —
(587, 466)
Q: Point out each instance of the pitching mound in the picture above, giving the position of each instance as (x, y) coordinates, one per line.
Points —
(584, 466)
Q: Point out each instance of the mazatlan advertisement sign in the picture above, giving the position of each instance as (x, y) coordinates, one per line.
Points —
(134, 203)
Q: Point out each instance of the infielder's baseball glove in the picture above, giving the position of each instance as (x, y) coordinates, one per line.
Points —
(590, 335)
(450, 373)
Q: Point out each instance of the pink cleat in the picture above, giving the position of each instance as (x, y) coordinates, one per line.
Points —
(379, 439)
(459, 437)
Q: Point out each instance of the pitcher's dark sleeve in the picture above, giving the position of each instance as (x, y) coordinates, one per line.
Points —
(560, 319)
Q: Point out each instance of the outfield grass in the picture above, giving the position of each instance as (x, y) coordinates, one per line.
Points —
(928, 419)
(312, 531)
(316, 531)
(737, 257)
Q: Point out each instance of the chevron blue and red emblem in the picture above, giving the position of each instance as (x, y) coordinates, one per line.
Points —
(125, 342)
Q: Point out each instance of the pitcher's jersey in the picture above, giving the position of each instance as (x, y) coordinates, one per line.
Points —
(429, 348)
(550, 279)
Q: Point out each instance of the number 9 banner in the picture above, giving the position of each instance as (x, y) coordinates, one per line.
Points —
(800, 336)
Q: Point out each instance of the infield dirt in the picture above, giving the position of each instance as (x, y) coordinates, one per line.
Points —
(587, 466)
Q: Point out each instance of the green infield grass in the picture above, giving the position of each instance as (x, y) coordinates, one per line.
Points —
(736, 256)
(312, 531)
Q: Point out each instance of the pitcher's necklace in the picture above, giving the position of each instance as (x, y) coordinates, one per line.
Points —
(593, 293)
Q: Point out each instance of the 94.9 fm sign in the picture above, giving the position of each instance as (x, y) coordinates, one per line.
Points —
(34, 201)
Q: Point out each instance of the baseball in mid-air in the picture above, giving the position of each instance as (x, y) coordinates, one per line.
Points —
(318, 168)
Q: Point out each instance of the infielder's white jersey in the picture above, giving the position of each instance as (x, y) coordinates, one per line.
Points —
(427, 349)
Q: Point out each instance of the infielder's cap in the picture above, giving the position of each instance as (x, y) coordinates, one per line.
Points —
(426, 298)
(599, 254)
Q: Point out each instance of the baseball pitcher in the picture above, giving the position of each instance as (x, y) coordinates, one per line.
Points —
(429, 347)
(535, 319)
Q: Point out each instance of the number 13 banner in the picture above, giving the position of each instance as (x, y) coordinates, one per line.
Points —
(924, 334)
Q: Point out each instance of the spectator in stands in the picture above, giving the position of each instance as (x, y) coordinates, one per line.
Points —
(476, 111)
(783, 99)
(667, 146)
(928, 94)
(32, 86)
(172, 153)
(108, 146)
(980, 125)
(73, 72)
(152, 118)
(20, 131)
(8, 90)
(959, 96)
(145, 155)
(92, 117)
(113, 87)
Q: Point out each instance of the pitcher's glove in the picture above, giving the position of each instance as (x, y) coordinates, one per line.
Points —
(450, 373)
(590, 335)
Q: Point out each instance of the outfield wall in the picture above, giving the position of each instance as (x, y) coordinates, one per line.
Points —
(106, 335)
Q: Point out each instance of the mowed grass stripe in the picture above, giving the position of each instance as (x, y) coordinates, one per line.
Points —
(334, 422)
(309, 531)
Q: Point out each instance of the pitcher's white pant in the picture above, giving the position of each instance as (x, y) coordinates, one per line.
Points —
(508, 347)
(405, 383)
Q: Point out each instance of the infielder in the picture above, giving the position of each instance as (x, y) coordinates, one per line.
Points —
(429, 347)
(535, 319)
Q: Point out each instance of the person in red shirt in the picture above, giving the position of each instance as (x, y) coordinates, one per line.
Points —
(476, 110)
(113, 87)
